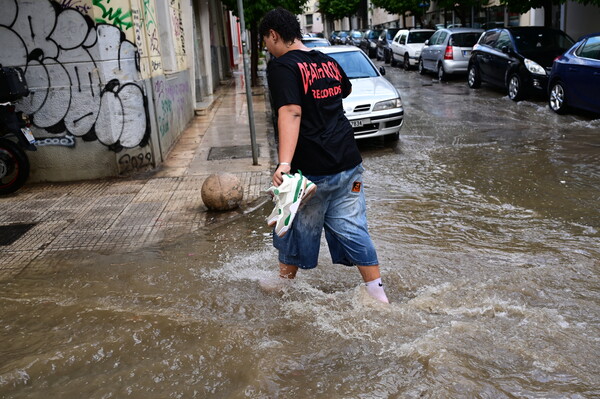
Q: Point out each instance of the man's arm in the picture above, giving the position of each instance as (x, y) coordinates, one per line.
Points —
(288, 124)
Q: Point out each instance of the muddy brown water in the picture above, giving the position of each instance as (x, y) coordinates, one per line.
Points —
(486, 219)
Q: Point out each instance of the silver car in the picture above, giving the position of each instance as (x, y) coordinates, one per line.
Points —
(448, 51)
(374, 107)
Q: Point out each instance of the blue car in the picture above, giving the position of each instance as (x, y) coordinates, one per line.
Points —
(575, 77)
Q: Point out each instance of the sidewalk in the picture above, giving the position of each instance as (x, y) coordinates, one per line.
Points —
(42, 224)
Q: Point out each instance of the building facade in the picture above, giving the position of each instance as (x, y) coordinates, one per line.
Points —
(574, 18)
(113, 82)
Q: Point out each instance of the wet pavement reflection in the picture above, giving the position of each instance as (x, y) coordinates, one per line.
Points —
(486, 217)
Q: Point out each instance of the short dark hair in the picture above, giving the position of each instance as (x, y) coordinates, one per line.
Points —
(281, 21)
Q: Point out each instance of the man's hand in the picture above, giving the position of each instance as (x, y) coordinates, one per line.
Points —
(279, 172)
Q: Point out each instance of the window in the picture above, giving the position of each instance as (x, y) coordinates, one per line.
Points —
(503, 41)
(590, 49)
(309, 19)
(489, 38)
(434, 38)
(419, 37)
(403, 39)
(442, 38)
(464, 39)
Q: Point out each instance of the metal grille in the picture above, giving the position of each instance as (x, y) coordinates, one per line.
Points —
(362, 108)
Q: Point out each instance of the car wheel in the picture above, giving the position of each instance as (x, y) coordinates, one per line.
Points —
(377, 57)
(515, 88)
(421, 67)
(473, 79)
(442, 75)
(556, 101)
(406, 62)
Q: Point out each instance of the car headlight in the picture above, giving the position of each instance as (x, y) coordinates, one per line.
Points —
(534, 67)
(388, 104)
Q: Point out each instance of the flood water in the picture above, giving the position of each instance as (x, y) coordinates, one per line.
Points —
(487, 223)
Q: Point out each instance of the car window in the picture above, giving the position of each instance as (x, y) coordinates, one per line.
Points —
(590, 49)
(542, 40)
(503, 41)
(442, 38)
(403, 39)
(419, 37)
(374, 34)
(355, 64)
(489, 38)
(434, 38)
(467, 39)
(391, 33)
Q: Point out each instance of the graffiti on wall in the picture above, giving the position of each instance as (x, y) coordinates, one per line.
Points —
(113, 15)
(79, 5)
(84, 77)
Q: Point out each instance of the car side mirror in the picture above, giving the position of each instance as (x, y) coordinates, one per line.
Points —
(382, 70)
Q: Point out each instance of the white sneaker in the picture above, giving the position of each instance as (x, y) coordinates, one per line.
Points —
(291, 193)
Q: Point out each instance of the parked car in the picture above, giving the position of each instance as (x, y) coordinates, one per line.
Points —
(384, 45)
(341, 37)
(575, 77)
(315, 42)
(447, 52)
(368, 43)
(354, 37)
(516, 58)
(407, 45)
(333, 36)
(374, 107)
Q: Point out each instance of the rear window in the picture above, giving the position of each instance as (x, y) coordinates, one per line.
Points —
(464, 39)
(542, 40)
(419, 37)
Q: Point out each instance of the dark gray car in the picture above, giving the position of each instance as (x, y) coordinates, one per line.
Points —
(447, 52)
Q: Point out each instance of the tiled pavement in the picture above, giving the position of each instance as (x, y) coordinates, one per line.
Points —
(127, 213)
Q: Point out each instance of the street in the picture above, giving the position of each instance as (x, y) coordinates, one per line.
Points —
(486, 218)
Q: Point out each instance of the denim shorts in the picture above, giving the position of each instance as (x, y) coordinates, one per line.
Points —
(338, 206)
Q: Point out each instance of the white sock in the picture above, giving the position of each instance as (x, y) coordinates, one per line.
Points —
(375, 289)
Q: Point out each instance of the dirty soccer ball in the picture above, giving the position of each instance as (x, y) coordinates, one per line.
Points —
(222, 192)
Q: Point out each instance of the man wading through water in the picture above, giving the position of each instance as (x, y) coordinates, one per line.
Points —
(317, 141)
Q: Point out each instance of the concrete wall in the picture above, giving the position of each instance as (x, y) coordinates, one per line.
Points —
(579, 19)
(94, 68)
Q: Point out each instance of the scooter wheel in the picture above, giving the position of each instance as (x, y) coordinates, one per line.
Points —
(14, 167)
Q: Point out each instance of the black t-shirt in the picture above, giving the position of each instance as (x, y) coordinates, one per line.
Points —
(317, 83)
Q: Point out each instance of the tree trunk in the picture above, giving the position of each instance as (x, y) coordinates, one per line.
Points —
(548, 13)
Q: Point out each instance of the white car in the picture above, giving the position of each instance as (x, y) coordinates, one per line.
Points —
(374, 107)
(407, 46)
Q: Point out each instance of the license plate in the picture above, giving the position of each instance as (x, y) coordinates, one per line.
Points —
(27, 133)
(358, 123)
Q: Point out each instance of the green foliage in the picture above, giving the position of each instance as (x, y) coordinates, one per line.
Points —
(400, 6)
(255, 9)
(337, 9)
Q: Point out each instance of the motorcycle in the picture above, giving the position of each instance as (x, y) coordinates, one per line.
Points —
(15, 131)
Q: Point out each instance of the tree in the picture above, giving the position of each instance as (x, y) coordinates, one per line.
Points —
(338, 9)
(401, 7)
(253, 13)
